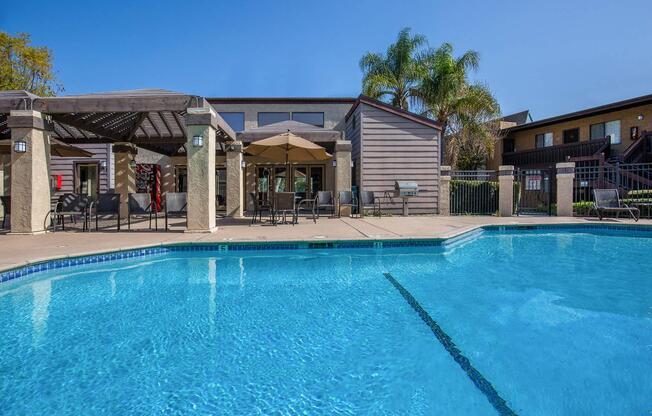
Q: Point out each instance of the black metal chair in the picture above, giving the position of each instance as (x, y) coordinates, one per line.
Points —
(105, 205)
(259, 207)
(368, 200)
(6, 208)
(284, 202)
(141, 204)
(325, 200)
(176, 206)
(71, 205)
(345, 199)
(608, 200)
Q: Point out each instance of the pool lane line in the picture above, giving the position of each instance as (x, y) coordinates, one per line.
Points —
(447, 342)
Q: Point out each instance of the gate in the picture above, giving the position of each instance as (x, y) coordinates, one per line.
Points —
(534, 191)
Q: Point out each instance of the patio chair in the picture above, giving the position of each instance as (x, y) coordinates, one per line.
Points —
(141, 204)
(308, 204)
(259, 206)
(344, 199)
(325, 200)
(71, 205)
(105, 205)
(369, 200)
(284, 202)
(176, 206)
(607, 200)
(6, 208)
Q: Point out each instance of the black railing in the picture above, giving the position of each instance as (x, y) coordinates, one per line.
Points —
(474, 192)
(633, 181)
(548, 156)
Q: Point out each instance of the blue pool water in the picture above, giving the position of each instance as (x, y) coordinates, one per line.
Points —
(528, 323)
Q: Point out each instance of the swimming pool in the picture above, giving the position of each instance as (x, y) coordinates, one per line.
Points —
(535, 322)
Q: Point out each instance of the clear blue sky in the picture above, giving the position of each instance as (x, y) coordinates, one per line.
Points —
(549, 56)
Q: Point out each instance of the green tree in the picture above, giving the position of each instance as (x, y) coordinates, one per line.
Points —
(26, 67)
(394, 74)
(467, 111)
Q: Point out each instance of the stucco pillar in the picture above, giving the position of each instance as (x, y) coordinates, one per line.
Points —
(342, 159)
(445, 190)
(201, 124)
(506, 190)
(565, 179)
(30, 176)
(234, 181)
(125, 174)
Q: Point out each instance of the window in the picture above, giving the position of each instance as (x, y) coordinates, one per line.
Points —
(609, 129)
(543, 140)
(316, 119)
(612, 130)
(234, 120)
(571, 135)
(597, 131)
(271, 118)
(509, 145)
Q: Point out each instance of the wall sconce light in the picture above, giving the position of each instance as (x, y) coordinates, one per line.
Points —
(334, 163)
(133, 163)
(20, 146)
(197, 141)
(640, 117)
(243, 164)
(102, 165)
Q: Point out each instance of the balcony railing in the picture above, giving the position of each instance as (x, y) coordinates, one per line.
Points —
(547, 156)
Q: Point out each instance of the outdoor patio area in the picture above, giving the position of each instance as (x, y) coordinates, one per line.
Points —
(19, 250)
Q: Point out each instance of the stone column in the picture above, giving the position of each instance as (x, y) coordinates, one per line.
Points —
(565, 179)
(201, 127)
(30, 172)
(506, 190)
(342, 159)
(234, 181)
(125, 173)
(445, 190)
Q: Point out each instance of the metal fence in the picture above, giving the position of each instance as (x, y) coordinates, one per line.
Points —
(474, 192)
(633, 181)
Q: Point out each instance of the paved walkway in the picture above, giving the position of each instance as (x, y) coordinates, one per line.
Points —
(16, 250)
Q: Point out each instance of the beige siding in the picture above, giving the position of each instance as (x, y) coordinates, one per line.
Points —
(397, 149)
(65, 167)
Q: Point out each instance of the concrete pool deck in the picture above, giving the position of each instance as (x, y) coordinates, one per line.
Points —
(19, 250)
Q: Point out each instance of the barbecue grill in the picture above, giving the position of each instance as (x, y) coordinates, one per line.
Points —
(405, 190)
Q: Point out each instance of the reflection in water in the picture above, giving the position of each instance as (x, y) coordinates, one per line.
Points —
(41, 292)
(212, 280)
(112, 280)
(242, 272)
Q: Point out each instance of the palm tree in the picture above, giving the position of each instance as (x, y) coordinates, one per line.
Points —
(466, 111)
(393, 75)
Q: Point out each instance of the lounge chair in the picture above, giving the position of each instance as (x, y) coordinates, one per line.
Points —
(345, 199)
(141, 204)
(71, 205)
(284, 203)
(176, 205)
(258, 206)
(325, 200)
(6, 205)
(607, 200)
(105, 205)
(369, 201)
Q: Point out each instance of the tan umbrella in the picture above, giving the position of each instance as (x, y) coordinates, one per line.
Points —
(287, 147)
(57, 148)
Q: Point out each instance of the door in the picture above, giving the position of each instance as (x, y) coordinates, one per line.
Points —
(87, 179)
(534, 191)
(220, 188)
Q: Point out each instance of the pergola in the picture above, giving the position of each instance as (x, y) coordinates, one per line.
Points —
(158, 120)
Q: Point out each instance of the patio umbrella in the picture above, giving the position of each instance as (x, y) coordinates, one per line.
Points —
(287, 147)
(57, 148)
